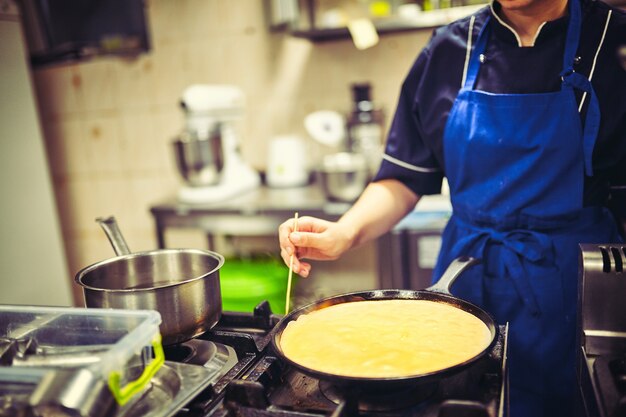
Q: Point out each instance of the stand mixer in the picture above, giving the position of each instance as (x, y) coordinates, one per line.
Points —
(207, 154)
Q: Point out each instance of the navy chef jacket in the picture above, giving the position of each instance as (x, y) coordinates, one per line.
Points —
(414, 149)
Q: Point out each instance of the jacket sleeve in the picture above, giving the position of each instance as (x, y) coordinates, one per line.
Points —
(407, 157)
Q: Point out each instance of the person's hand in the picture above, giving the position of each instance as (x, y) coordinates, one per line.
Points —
(315, 239)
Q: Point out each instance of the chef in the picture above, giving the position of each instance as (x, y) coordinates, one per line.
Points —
(522, 107)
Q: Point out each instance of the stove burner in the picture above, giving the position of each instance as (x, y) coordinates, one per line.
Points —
(379, 400)
(202, 352)
(177, 353)
(604, 385)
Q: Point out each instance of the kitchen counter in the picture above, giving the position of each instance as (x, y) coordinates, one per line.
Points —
(255, 213)
(401, 254)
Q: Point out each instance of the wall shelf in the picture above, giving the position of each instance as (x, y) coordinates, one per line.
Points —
(422, 20)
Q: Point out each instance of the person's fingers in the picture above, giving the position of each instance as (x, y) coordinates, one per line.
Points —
(312, 224)
(307, 240)
(283, 236)
(285, 256)
(316, 246)
(305, 269)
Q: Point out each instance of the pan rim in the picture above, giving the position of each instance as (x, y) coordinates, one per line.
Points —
(86, 270)
(379, 295)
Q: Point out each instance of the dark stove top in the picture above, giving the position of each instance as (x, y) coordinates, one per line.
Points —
(603, 384)
(260, 384)
(271, 389)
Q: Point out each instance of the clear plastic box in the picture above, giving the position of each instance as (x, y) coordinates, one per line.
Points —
(107, 342)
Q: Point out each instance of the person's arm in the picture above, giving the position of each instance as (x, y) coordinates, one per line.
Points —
(381, 205)
(410, 170)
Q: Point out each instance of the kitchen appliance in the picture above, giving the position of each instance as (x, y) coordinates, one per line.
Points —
(287, 162)
(343, 176)
(327, 127)
(181, 284)
(365, 127)
(207, 150)
(602, 329)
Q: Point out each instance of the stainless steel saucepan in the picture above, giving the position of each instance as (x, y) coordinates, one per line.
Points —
(183, 285)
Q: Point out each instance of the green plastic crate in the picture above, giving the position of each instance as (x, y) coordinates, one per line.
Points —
(246, 282)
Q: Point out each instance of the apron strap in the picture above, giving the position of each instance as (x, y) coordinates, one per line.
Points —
(573, 36)
(572, 79)
(569, 54)
(474, 62)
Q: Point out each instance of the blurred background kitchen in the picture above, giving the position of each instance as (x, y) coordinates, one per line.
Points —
(86, 135)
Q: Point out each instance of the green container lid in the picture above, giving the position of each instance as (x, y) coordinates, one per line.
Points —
(247, 282)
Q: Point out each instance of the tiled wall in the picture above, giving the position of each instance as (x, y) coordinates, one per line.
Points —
(108, 123)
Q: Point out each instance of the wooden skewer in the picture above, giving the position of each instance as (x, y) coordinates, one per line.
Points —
(295, 229)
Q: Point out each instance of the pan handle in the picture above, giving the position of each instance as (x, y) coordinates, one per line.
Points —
(109, 225)
(455, 269)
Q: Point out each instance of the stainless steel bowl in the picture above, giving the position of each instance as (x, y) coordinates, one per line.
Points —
(199, 160)
(344, 176)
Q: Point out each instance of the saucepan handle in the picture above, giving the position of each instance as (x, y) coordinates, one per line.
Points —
(455, 269)
(110, 227)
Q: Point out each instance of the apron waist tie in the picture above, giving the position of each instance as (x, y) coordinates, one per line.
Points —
(518, 245)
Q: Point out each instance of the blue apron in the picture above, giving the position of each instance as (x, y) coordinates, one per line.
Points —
(516, 164)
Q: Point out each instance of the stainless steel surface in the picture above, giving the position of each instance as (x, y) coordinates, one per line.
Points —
(199, 160)
(602, 329)
(68, 360)
(176, 383)
(258, 212)
(15, 392)
(171, 388)
(73, 392)
(77, 393)
(109, 225)
(56, 390)
(344, 176)
(602, 283)
(183, 285)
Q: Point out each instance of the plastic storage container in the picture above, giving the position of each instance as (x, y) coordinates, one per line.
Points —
(84, 360)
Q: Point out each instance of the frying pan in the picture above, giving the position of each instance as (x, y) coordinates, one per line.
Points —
(440, 292)
(181, 284)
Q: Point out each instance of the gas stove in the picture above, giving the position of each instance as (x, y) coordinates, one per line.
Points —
(205, 366)
(602, 329)
(260, 384)
(231, 371)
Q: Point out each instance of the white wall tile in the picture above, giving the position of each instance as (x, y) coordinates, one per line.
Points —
(109, 123)
(100, 85)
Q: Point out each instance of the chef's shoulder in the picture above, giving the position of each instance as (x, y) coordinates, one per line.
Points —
(598, 9)
(604, 34)
(609, 30)
(454, 36)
